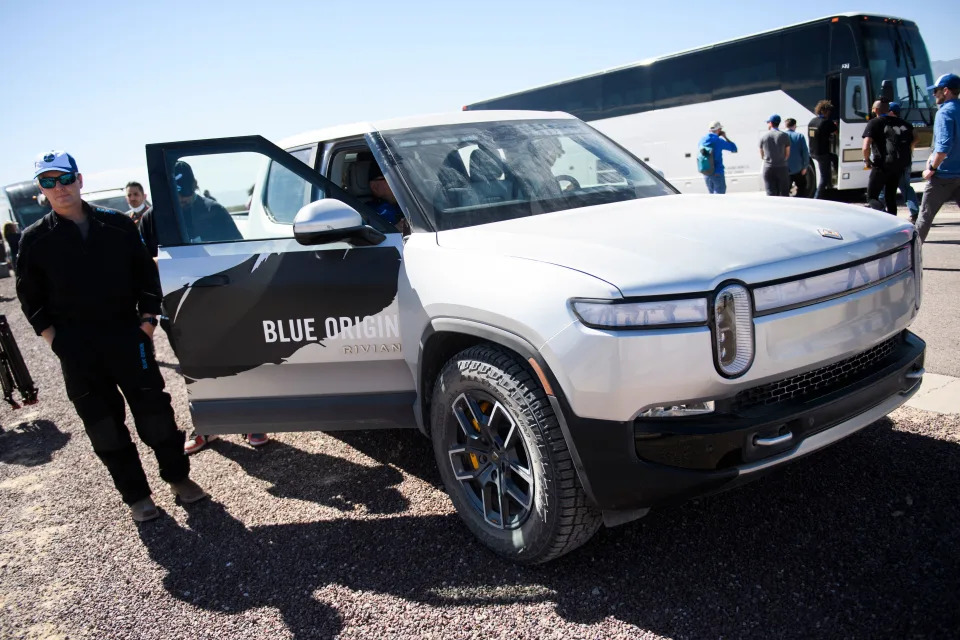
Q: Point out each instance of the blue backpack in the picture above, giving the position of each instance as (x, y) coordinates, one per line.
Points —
(705, 160)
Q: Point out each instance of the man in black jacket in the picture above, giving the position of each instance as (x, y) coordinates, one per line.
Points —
(887, 150)
(88, 286)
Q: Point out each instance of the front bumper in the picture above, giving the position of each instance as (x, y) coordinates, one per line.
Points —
(645, 463)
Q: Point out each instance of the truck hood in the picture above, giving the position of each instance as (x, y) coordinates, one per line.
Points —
(690, 243)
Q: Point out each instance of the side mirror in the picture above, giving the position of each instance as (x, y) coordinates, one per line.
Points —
(329, 220)
(886, 91)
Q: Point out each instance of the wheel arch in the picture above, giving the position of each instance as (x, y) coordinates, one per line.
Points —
(443, 338)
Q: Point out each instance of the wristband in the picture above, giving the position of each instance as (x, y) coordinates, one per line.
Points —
(149, 320)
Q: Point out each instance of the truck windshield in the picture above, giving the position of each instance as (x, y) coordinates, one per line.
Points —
(477, 173)
(896, 52)
(22, 197)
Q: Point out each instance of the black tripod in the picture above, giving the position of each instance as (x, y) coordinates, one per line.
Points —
(13, 370)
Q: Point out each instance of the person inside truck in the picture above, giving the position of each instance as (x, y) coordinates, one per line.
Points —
(206, 220)
(385, 202)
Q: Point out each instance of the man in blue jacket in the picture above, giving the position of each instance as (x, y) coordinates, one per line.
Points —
(943, 168)
(799, 158)
(718, 142)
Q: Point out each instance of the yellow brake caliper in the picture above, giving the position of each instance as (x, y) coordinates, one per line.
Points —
(484, 406)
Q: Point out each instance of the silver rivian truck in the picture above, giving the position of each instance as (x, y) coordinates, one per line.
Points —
(580, 342)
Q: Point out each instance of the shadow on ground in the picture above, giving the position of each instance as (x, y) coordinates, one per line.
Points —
(333, 482)
(857, 541)
(31, 443)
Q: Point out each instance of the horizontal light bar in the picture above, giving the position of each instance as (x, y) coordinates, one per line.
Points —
(797, 292)
(622, 315)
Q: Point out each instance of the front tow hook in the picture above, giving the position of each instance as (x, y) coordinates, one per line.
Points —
(772, 442)
(914, 375)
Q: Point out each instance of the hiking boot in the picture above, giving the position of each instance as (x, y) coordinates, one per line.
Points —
(257, 439)
(196, 442)
(143, 510)
(188, 491)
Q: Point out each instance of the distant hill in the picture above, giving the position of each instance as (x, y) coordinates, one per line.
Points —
(941, 67)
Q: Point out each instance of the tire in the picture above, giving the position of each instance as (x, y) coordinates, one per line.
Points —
(503, 458)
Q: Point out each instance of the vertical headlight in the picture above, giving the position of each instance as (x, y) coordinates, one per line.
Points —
(733, 326)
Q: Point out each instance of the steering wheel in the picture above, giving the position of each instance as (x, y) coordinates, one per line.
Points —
(574, 184)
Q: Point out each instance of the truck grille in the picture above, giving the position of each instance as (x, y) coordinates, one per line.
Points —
(819, 381)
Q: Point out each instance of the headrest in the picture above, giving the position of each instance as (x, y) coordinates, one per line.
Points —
(484, 166)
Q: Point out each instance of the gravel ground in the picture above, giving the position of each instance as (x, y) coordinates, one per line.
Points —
(349, 535)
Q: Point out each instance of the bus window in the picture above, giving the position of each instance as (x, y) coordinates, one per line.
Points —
(748, 66)
(803, 60)
(681, 80)
(855, 99)
(627, 91)
(843, 48)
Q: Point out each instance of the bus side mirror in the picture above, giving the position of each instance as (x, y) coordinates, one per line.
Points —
(886, 91)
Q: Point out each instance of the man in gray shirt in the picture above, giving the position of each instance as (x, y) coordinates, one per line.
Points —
(775, 150)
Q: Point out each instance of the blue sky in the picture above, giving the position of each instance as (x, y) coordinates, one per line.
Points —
(102, 78)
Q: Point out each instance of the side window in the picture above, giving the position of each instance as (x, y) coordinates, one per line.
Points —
(212, 195)
(681, 80)
(843, 48)
(627, 91)
(745, 67)
(286, 192)
(855, 99)
(803, 63)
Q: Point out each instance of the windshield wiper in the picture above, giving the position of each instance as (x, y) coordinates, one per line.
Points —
(912, 88)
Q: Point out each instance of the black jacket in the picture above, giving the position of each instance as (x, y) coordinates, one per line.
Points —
(205, 220)
(102, 282)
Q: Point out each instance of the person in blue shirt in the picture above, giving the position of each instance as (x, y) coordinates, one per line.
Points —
(943, 168)
(799, 158)
(717, 140)
(385, 202)
(909, 195)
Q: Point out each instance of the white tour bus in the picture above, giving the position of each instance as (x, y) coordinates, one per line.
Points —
(660, 108)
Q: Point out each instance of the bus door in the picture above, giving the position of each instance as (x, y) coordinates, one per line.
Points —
(854, 112)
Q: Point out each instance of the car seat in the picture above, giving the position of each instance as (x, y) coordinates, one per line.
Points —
(488, 179)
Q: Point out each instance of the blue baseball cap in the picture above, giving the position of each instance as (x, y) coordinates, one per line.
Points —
(54, 161)
(183, 178)
(949, 80)
(775, 119)
(895, 107)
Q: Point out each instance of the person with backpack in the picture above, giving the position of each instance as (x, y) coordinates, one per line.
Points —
(887, 150)
(710, 157)
(909, 195)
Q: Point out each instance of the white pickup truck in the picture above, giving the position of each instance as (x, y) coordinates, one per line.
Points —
(580, 342)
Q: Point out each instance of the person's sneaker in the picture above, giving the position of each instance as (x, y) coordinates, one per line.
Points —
(257, 439)
(188, 491)
(196, 442)
(143, 510)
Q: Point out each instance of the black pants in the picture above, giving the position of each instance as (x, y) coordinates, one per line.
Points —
(95, 364)
(886, 180)
(776, 180)
(801, 181)
(825, 165)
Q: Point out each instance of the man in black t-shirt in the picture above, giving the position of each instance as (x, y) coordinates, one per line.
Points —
(822, 129)
(887, 145)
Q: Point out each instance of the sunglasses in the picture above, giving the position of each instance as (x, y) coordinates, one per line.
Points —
(65, 179)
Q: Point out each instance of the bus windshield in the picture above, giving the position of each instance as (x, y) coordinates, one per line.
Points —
(476, 173)
(896, 52)
(22, 197)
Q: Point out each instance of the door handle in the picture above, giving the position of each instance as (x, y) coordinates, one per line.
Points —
(770, 442)
(216, 280)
